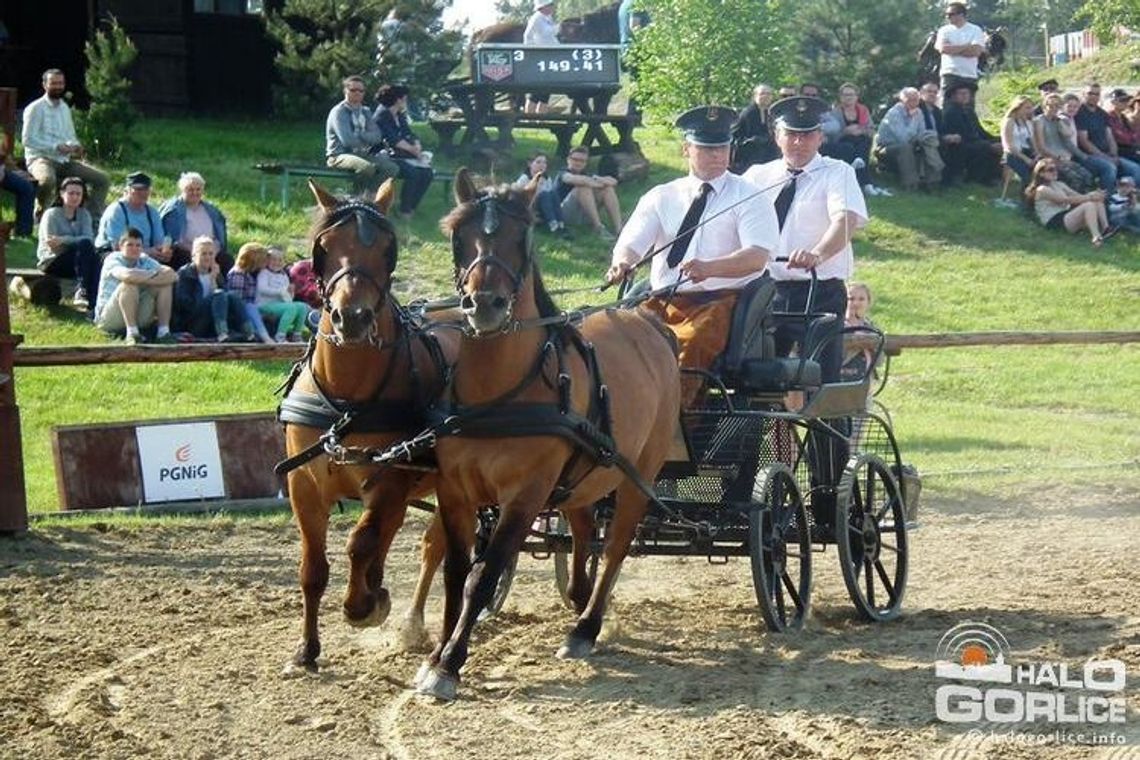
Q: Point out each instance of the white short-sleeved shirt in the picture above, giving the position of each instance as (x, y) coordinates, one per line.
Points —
(959, 65)
(657, 220)
(541, 29)
(826, 190)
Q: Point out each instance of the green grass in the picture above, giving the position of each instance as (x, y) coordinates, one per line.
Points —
(1018, 417)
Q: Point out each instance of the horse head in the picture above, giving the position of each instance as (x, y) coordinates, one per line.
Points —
(354, 250)
(492, 250)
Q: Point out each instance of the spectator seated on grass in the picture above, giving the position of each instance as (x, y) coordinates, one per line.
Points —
(187, 217)
(975, 154)
(1125, 127)
(1122, 210)
(752, 139)
(135, 291)
(275, 298)
(353, 141)
(134, 210)
(581, 194)
(1059, 207)
(306, 289)
(67, 243)
(202, 305)
(852, 143)
(1094, 136)
(546, 200)
(906, 145)
(242, 279)
(1055, 137)
(1017, 138)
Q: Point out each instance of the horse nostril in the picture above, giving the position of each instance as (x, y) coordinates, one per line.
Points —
(466, 302)
(500, 302)
(337, 318)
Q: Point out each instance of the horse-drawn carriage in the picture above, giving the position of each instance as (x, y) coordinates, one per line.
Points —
(557, 431)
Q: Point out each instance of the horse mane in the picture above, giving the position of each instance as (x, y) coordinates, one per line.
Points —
(510, 197)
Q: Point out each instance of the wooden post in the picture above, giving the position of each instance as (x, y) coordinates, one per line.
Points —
(13, 498)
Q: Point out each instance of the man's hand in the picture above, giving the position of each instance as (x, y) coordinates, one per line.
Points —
(801, 258)
(617, 272)
(696, 270)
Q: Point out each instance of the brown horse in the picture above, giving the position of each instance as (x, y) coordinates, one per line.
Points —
(370, 361)
(545, 415)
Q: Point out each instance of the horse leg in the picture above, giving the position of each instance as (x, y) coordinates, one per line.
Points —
(631, 506)
(312, 515)
(582, 530)
(413, 632)
(366, 601)
(459, 529)
(478, 590)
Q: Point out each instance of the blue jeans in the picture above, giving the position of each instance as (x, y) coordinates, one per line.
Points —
(1103, 168)
(25, 193)
(549, 207)
(417, 179)
(219, 313)
(1022, 169)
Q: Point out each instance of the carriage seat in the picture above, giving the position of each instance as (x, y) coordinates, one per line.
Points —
(749, 362)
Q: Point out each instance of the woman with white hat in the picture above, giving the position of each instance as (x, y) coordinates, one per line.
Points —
(541, 29)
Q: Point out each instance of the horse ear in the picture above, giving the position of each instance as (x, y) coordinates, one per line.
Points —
(465, 190)
(325, 199)
(530, 192)
(385, 195)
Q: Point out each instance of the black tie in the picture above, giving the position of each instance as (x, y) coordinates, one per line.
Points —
(784, 199)
(689, 225)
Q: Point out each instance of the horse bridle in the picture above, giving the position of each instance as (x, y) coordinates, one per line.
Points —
(492, 208)
(360, 212)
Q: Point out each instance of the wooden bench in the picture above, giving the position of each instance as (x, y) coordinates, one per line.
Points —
(288, 172)
(38, 288)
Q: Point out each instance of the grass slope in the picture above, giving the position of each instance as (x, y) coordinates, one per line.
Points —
(1016, 416)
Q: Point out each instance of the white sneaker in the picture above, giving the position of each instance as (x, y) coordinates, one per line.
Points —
(871, 190)
(885, 192)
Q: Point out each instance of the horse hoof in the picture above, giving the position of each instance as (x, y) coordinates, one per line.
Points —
(421, 674)
(441, 686)
(413, 636)
(376, 616)
(575, 649)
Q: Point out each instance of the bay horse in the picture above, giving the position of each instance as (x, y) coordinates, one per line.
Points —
(541, 414)
(369, 360)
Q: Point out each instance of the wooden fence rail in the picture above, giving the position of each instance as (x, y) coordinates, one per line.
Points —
(54, 356)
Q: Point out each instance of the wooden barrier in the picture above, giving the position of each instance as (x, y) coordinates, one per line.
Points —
(54, 356)
(13, 497)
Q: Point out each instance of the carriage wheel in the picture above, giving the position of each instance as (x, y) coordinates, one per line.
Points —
(870, 533)
(780, 546)
(488, 519)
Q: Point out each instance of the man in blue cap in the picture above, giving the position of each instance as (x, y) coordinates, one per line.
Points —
(819, 206)
(710, 237)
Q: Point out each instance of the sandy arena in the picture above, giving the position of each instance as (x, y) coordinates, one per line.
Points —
(169, 641)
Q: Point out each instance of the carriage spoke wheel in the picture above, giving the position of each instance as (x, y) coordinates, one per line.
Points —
(871, 537)
(488, 519)
(780, 546)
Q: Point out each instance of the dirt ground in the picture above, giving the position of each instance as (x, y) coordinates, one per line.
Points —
(169, 641)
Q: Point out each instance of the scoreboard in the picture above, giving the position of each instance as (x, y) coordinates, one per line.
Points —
(547, 65)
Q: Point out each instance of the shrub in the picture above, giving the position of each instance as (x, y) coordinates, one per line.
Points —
(105, 127)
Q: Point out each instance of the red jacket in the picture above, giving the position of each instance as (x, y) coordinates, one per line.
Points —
(304, 281)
